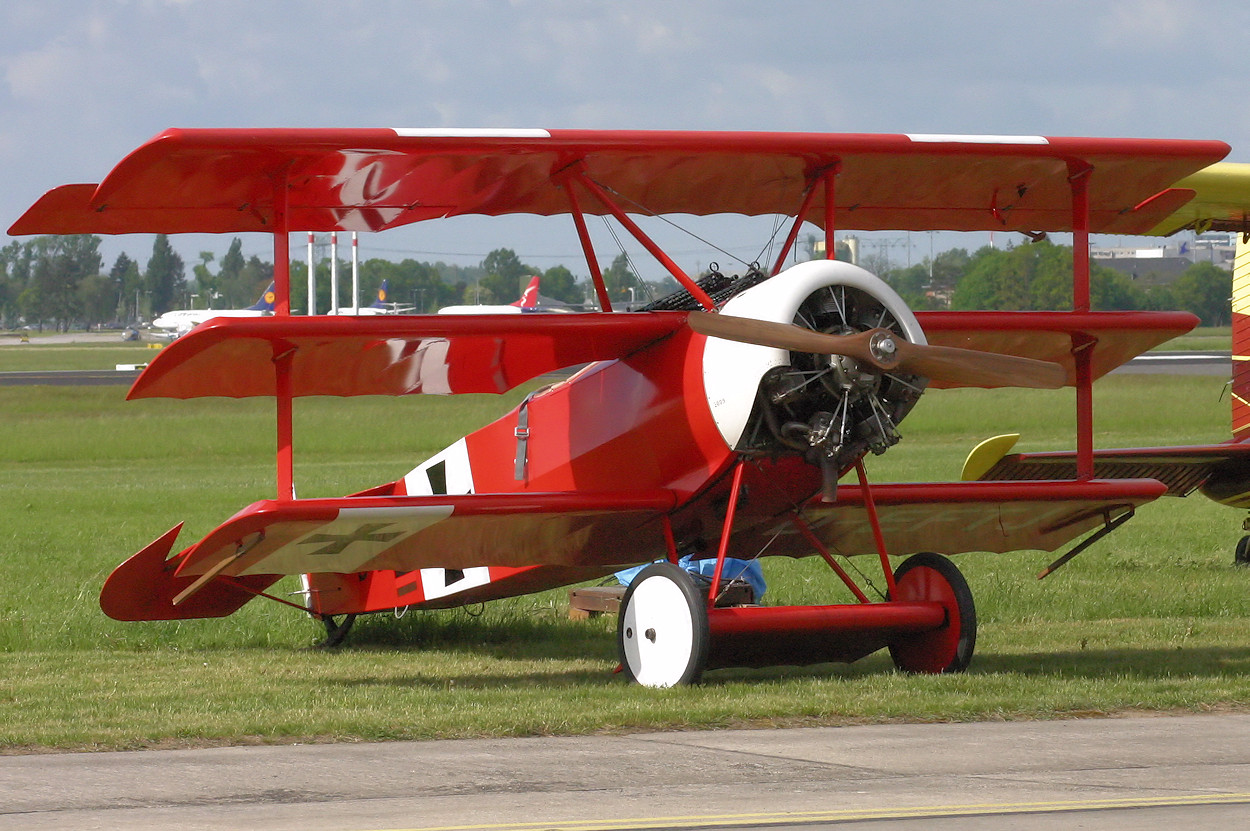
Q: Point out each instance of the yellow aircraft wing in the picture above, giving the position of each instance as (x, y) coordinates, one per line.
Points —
(1221, 201)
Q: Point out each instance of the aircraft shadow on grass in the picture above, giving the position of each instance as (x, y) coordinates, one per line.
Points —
(553, 639)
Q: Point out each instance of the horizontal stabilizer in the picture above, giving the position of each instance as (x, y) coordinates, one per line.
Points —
(404, 533)
(144, 587)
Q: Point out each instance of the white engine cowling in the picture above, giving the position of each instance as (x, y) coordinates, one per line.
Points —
(829, 408)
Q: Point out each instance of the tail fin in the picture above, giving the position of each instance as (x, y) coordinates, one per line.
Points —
(1241, 340)
(266, 301)
(381, 302)
(529, 297)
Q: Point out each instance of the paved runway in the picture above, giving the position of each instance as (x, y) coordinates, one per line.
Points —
(1140, 773)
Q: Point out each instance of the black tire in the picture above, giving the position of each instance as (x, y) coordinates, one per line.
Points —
(1241, 554)
(948, 648)
(662, 630)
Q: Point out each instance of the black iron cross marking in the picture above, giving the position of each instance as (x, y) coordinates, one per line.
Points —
(339, 542)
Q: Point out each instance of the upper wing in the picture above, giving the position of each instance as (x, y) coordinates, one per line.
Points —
(390, 354)
(371, 179)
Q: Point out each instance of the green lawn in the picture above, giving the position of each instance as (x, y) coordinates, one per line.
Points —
(1153, 618)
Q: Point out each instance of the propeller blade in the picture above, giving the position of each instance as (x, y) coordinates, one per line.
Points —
(784, 336)
(973, 368)
(887, 352)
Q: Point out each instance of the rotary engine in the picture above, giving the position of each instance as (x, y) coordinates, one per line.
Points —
(830, 408)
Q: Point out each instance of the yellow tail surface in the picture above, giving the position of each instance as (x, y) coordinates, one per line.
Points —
(1241, 340)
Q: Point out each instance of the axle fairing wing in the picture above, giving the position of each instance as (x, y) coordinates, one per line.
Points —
(231, 181)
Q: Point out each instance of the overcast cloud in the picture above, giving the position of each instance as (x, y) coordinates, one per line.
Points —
(83, 82)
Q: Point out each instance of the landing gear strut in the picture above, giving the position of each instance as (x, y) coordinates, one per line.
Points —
(336, 630)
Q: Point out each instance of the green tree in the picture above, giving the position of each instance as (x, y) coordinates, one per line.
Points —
(58, 264)
(1205, 289)
(619, 278)
(165, 277)
(559, 283)
(234, 289)
(505, 276)
(205, 279)
(97, 299)
(1036, 277)
(125, 273)
(14, 274)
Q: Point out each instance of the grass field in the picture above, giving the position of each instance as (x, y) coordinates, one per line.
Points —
(1153, 618)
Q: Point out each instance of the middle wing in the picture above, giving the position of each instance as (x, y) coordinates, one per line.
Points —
(390, 354)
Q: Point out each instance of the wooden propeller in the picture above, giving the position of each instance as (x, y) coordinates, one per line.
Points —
(886, 351)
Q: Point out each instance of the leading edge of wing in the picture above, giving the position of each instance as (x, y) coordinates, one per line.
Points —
(347, 535)
(390, 354)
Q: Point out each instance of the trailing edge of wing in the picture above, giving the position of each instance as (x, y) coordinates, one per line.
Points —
(390, 354)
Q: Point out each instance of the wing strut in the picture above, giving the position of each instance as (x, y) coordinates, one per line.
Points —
(830, 210)
(723, 551)
(877, 537)
(799, 219)
(282, 361)
(1109, 526)
(588, 248)
(646, 242)
(1078, 179)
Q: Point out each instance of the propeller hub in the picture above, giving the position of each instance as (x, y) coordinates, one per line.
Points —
(883, 348)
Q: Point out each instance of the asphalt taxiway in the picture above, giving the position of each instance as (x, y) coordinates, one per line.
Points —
(1142, 773)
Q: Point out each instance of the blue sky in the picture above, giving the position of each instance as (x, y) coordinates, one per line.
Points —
(83, 82)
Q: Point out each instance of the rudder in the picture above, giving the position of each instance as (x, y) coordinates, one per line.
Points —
(1241, 340)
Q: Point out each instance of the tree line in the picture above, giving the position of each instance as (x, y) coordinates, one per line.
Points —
(1038, 276)
(60, 281)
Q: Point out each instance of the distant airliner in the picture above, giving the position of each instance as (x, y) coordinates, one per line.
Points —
(178, 322)
(527, 303)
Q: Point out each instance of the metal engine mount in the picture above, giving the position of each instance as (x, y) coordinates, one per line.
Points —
(831, 408)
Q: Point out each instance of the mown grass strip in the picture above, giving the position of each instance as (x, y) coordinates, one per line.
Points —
(1153, 618)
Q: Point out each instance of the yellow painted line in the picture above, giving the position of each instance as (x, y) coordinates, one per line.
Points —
(852, 815)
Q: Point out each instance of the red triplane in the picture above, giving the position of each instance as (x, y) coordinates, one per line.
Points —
(720, 422)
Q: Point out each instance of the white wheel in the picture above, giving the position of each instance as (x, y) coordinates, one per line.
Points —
(662, 632)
